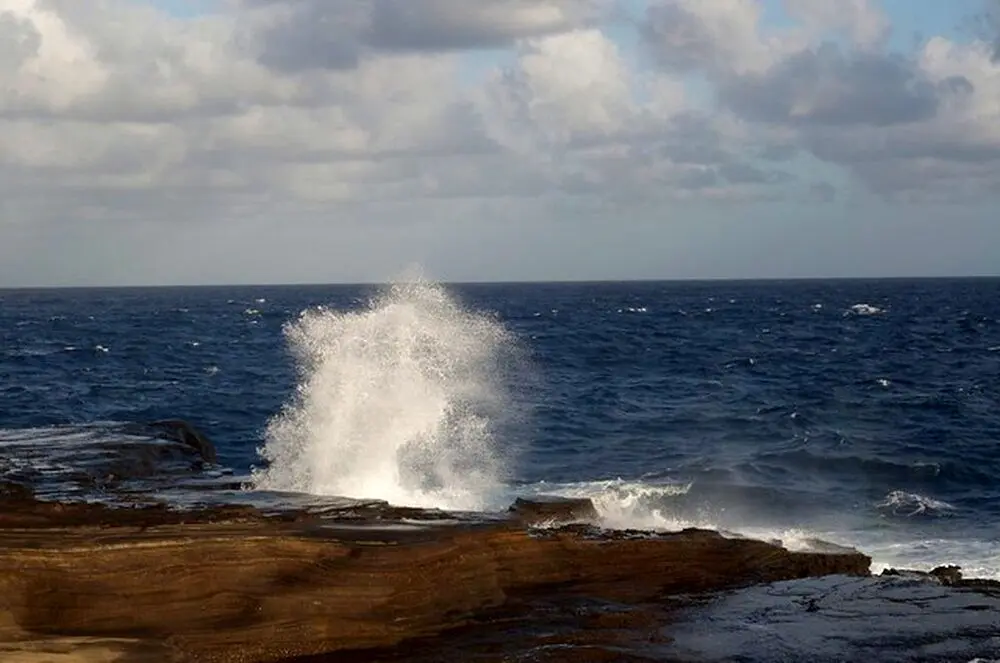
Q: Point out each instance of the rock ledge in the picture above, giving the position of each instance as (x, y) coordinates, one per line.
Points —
(86, 583)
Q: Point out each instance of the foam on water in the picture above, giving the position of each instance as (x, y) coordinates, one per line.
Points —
(864, 309)
(640, 505)
(399, 401)
(902, 503)
(621, 504)
(624, 504)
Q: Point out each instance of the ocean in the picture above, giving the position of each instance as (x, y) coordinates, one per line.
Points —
(861, 412)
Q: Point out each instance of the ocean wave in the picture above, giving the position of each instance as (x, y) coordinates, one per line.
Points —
(976, 557)
(909, 505)
(20, 353)
(658, 506)
(623, 504)
(851, 470)
(864, 309)
(401, 401)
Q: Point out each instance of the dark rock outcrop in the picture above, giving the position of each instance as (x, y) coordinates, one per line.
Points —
(108, 461)
(552, 510)
(949, 576)
(183, 432)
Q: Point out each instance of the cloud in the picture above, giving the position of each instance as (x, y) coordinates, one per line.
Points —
(711, 36)
(562, 89)
(985, 24)
(823, 86)
(905, 125)
(862, 21)
(435, 25)
(335, 34)
(408, 122)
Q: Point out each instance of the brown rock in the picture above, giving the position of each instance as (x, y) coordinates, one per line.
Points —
(232, 586)
(552, 510)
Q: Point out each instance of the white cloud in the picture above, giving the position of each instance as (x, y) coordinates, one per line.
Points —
(863, 21)
(342, 118)
(906, 126)
(714, 36)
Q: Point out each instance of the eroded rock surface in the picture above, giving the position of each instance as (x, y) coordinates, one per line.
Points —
(233, 585)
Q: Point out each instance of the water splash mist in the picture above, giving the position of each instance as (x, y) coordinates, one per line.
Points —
(400, 401)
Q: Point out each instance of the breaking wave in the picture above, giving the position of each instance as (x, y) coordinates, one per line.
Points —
(400, 401)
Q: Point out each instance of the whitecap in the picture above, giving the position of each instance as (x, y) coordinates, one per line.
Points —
(902, 503)
(621, 504)
(30, 352)
(864, 309)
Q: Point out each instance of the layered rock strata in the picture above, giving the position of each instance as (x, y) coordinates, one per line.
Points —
(233, 585)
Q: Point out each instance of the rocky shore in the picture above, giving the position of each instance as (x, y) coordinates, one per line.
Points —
(144, 582)
(91, 583)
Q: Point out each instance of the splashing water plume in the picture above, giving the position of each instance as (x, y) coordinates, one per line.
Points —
(400, 402)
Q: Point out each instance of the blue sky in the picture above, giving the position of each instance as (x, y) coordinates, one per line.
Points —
(909, 17)
(182, 8)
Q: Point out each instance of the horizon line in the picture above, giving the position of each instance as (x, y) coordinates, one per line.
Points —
(361, 284)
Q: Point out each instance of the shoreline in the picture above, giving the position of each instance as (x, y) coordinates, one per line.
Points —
(233, 584)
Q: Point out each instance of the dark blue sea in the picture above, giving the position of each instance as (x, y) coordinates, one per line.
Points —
(861, 412)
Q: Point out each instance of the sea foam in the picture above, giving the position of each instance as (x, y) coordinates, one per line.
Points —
(399, 401)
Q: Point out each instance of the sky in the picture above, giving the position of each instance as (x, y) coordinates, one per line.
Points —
(147, 142)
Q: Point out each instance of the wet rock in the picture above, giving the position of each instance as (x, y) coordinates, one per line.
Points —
(183, 432)
(11, 491)
(107, 461)
(553, 510)
(949, 576)
(897, 617)
(234, 585)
